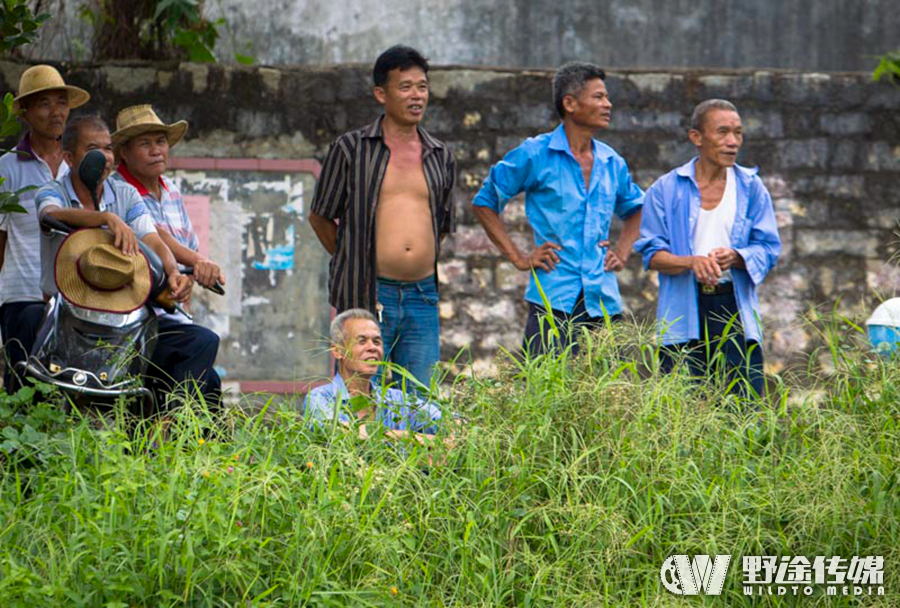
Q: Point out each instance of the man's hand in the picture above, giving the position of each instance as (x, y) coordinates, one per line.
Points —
(544, 257)
(207, 273)
(180, 286)
(706, 269)
(125, 238)
(615, 260)
(726, 258)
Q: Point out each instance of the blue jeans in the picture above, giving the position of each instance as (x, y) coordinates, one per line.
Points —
(409, 325)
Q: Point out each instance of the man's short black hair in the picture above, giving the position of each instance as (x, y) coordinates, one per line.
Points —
(570, 80)
(72, 132)
(398, 56)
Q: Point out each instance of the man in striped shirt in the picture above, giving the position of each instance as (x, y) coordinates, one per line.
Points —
(141, 143)
(382, 204)
(45, 101)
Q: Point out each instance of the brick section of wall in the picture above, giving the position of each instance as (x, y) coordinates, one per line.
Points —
(828, 147)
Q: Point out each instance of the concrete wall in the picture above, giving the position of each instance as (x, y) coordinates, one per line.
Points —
(816, 35)
(828, 147)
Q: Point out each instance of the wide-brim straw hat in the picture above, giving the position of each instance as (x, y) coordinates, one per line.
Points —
(39, 78)
(136, 120)
(91, 272)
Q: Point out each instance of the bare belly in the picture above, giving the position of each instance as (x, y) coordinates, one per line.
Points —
(404, 242)
(404, 237)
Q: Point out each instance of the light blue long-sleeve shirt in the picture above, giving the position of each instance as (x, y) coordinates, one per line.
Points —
(561, 210)
(395, 410)
(671, 208)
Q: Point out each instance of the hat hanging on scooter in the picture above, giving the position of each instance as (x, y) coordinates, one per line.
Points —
(91, 272)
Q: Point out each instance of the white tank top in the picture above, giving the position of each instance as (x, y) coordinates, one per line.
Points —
(713, 227)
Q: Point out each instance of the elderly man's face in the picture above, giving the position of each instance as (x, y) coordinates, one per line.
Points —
(591, 107)
(146, 155)
(91, 138)
(46, 113)
(720, 138)
(363, 350)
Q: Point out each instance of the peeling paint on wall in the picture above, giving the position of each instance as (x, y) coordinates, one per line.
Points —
(280, 257)
(275, 273)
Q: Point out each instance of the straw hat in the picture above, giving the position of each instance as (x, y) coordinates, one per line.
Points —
(93, 273)
(136, 120)
(40, 78)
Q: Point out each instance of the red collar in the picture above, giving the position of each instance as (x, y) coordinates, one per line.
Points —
(131, 179)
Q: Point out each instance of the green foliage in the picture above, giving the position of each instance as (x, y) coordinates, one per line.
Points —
(18, 24)
(30, 433)
(888, 66)
(9, 126)
(153, 29)
(571, 482)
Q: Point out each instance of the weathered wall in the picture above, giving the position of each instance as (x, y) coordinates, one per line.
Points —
(821, 35)
(828, 146)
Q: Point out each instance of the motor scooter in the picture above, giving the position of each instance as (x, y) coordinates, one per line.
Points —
(97, 357)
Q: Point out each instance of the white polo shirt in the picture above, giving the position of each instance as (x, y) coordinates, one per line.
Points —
(21, 274)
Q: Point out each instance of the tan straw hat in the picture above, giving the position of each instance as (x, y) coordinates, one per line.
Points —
(136, 120)
(40, 78)
(93, 273)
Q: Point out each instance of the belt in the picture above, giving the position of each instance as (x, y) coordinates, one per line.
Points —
(719, 289)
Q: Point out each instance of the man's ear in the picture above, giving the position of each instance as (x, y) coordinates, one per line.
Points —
(379, 94)
(695, 136)
(339, 352)
(67, 156)
(569, 103)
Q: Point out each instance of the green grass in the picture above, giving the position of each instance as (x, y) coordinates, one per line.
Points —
(574, 479)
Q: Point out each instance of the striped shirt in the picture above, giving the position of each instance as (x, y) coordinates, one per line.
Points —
(168, 212)
(21, 274)
(347, 190)
(117, 197)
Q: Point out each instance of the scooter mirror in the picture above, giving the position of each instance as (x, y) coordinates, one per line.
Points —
(90, 171)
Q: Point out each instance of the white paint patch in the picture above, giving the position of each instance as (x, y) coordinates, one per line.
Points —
(282, 185)
(255, 301)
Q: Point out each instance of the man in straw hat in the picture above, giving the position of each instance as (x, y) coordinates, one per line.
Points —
(142, 142)
(44, 101)
(183, 354)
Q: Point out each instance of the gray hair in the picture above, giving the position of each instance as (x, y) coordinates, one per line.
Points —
(570, 80)
(703, 107)
(72, 132)
(337, 334)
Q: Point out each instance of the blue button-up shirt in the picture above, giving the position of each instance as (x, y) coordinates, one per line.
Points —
(561, 210)
(672, 205)
(394, 409)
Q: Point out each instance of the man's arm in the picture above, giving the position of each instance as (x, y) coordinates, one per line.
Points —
(326, 231)
(330, 196)
(206, 272)
(125, 238)
(506, 179)
(178, 283)
(543, 257)
(631, 230)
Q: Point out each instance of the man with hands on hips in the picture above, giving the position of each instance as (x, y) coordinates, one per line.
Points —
(573, 184)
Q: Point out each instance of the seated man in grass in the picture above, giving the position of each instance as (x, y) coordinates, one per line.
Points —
(357, 346)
